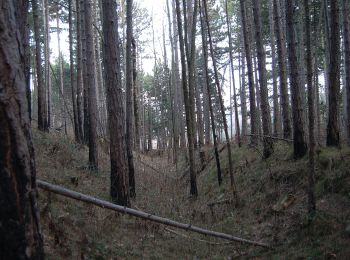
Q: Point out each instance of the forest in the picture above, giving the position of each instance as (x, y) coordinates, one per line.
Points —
(169, 129)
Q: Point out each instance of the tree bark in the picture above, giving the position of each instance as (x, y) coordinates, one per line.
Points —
(346, 36)
(248, 54)
(42, 105)
(90, 85)
(189, 122)
(129, 105)
(19, 216)
(207, 86)
(282, 55)
(116, 116)
(300, 146)
(334, 77)
(265, 107)
(311, 95)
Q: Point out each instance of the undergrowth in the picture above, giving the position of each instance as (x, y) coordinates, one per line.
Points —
(273, 205)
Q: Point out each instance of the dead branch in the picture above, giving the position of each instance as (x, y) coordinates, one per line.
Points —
(271, 137)
(140, 214)
(196, 239)
(226, 201)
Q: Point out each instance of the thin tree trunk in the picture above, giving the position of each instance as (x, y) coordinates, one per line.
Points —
(79, 97)
(42, 105)
(282, 54)
(207, 86)
(238, 132)
(265, 107)
(71, 67)
(48, 106)
(129, 105)
(222, 108)
(189, 123)
(19, 216)
(311, 94)
(60, 65)
(248, 54)
(277, 125)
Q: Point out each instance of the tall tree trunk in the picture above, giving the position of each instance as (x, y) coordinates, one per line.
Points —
(189, 122)
(116, 116)
(42, 105)
(243, 95)
(48, 106)
(334, 77)
(311, 94)
(91, 89)
(238, 132)
(300, 146)
(222, 107)
(129, 87)
(71, 67)
(346, 31)
(60, 65)
(135, 96)
(207, 86)
(248, 54)
(19, 216)
(79, 61)
(282, 54)
(277, 126)
(265, 107)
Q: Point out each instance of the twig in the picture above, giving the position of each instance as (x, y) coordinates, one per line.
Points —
(143, 215)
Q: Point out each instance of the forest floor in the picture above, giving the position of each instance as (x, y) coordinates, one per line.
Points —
(273, 206)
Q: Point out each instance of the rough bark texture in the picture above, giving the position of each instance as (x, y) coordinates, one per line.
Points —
(334, 77)
(90, 85)
(42, 111)
(129, 105)
(116, 116)
(282, 64)
(346, 31)
(300, 146)
(20, 230)
(265, 107)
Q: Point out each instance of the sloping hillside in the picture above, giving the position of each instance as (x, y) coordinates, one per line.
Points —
(272, 209)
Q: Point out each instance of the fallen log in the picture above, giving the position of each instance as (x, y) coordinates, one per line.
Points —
(140, 214)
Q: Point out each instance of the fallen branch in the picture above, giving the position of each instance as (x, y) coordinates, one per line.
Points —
(140, 214)
(196, 239)
(272, 137)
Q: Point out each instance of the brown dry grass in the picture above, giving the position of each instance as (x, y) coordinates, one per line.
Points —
(75, 230)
